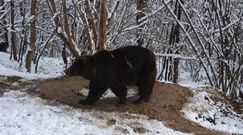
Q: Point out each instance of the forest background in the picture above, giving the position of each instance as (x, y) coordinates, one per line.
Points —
(200, 38)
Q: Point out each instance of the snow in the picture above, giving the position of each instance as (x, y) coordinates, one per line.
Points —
(48, 68)
(153, 12)
(23, 114)
(186, 81)
(175, 56)
(107, 94)
(213, 115)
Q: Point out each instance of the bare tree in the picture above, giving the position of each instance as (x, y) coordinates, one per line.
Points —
(175, 40)
(3, 32)
(102, 26)
(32, 47)
(92, 19)
(141, 9)
(23, 37)
(67, 39)
(13, 32)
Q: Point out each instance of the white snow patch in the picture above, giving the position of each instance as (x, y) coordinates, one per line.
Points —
(190, 84)
(48, 68)
(107, 94)
(23, 114)
(213, 115)
(185, 80)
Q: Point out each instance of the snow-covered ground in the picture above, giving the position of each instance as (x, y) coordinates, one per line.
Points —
(214, 115)
(24, 115)
(48, 68)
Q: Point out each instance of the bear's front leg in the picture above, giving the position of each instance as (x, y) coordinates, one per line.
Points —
(96, 89)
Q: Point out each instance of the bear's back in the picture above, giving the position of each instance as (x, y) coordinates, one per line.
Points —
(128, 62)
(130, 51)
(136, 54)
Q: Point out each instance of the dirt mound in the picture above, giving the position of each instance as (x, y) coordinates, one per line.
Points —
(165, 105)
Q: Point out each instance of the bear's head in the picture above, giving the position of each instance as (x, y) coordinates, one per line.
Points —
(83, 66)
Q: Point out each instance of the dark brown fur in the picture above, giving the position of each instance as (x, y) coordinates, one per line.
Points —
(117, 69)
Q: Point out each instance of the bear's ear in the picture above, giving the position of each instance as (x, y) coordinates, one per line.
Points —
(83, 59)
(87, 60)
(83, 53)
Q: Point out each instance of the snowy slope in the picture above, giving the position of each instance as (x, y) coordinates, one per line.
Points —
(24, 115)
(214, 115)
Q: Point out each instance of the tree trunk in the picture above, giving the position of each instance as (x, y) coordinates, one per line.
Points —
(4, 37)
(174, 40)
(92, 19)
(67, 39)
(32, 48)
(141, 8)
(70, 43)
(13, 32)
(89, 26)
(23, 40)
(102, 28)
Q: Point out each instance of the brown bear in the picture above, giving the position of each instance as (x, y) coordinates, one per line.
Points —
(117, 69)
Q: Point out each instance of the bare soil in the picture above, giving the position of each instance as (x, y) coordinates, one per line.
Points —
(166, 102)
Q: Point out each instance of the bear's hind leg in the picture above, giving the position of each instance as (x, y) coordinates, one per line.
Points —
(121, 93)
(145, 92)
(145, 86)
